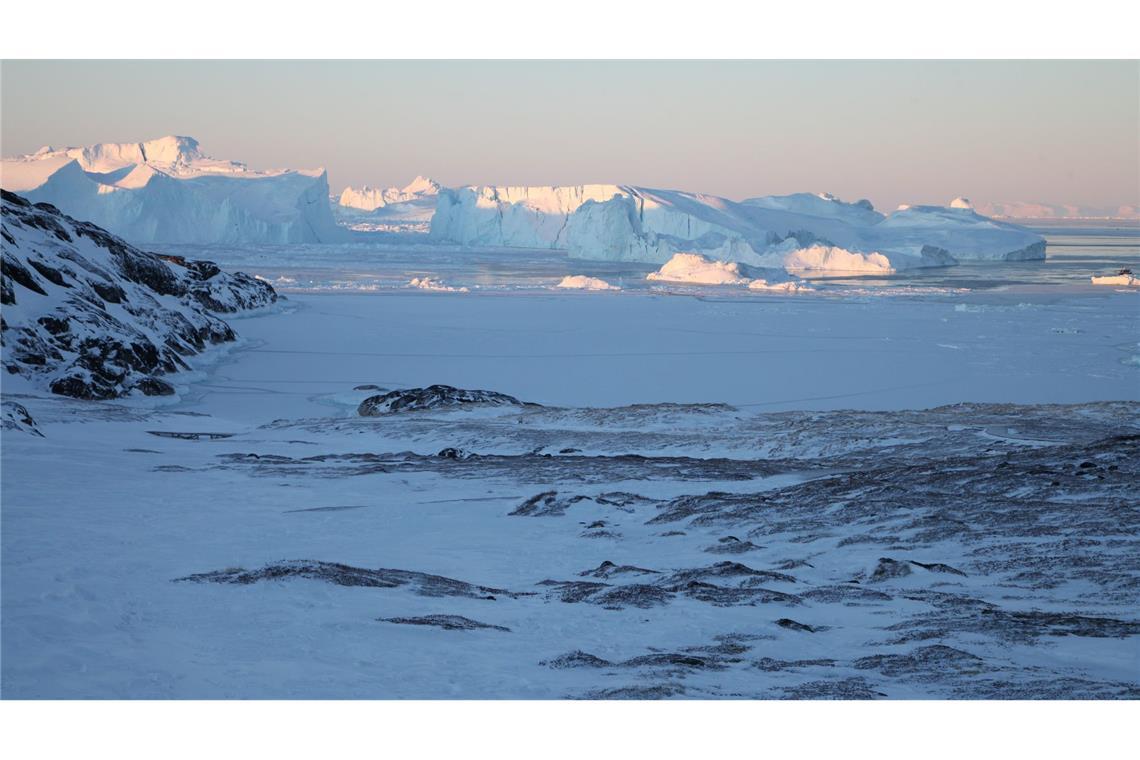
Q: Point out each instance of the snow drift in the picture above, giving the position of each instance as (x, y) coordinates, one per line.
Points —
(627, 223)
(87, 315)
(168, 191)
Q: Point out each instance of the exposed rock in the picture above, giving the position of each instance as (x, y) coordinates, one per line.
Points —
(844, 688)
(732, 545)
(925, 662)
(431, 398)
(423, 584)
(608, 569)
(446, 622)
(792, 625)
(17, 417)
(89, 316)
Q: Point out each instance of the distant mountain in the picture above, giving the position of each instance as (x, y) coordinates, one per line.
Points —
(1028, 210)
(168, 191)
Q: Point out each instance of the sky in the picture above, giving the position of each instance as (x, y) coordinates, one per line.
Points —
(890, 131)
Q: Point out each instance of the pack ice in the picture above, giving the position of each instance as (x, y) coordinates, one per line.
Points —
(800, 232)
(87, 315)
(168, 191)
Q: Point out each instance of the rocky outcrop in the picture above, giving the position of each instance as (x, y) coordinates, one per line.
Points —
(431, 398)
(89, 316)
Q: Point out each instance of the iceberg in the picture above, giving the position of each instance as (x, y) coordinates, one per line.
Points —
(513, 217)
(629, 223)
(371, 198)
(406, 210)
(699, 270)
(582, 282)
(168, 191)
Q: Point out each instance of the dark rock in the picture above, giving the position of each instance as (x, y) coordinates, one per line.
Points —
(432, 397)
(72, 342)
(608, 569)
(423, 584)
(792, 625)
(15, 416)
(446, 622)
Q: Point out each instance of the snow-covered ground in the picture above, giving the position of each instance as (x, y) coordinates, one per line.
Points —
(331, 555)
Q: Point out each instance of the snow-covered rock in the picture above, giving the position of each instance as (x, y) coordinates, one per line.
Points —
(371, 198)
(582, 282)
(961, 202)
(168, 191)
(699, 270)
(88, 315)
(433, 397)
(628, 223)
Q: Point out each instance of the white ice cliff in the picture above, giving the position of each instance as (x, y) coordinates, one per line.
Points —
(168, 191)
(803, 231)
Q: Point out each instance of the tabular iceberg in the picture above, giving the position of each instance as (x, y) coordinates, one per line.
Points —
(393, 210)
(800, 231)
(167, 191)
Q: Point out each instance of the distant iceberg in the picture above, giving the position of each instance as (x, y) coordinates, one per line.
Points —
(628, 223)
(168, 191)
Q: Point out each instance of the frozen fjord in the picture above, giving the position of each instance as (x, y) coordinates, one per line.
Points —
(363, 551)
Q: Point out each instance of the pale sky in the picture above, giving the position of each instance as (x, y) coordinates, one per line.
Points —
(893, 131)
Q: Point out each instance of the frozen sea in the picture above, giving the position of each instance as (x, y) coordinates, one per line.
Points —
(1075, 251)
(724, 494)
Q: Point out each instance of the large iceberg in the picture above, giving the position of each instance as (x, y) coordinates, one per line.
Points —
(514, 217)
(168, 191)
(369, 198)
(814, 232)
(407, 209)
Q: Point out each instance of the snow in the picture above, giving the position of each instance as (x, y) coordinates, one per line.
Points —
(582, 282)
(167, 190)
(961, 202)
(100, 515)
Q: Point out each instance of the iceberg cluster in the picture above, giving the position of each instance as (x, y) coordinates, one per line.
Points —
(168, 191)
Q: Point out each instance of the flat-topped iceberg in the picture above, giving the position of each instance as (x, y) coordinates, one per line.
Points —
(168, 191)
(628, 223)
(371, 198)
